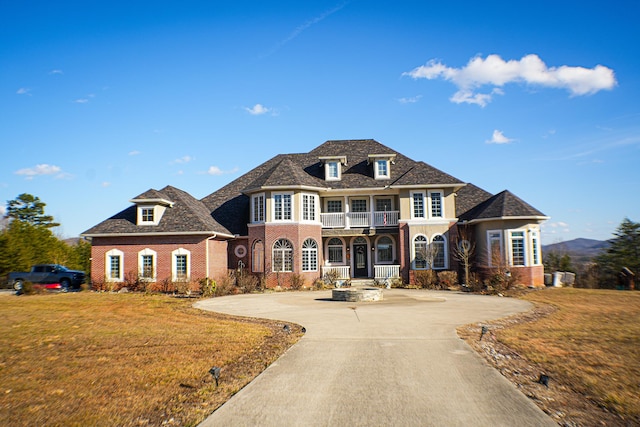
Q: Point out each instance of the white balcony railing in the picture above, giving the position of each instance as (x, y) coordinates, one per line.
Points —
(383, 272)
(341, 271)
(359, 219)
(384, 219)
(332, 220)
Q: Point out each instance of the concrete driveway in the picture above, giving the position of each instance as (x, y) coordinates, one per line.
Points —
(394, 362)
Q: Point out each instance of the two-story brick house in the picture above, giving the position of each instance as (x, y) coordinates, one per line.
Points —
(354, 207)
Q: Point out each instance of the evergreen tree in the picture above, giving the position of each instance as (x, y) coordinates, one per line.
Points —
(623, 252)
(29, 209)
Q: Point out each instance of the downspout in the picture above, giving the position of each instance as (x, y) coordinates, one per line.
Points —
(207, 254)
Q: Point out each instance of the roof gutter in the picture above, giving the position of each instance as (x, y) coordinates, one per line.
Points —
(505, 218)
(161, 233)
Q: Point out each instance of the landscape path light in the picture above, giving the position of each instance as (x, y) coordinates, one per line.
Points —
(215, 372)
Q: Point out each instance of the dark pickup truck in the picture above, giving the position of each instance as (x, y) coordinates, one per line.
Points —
(51, 276)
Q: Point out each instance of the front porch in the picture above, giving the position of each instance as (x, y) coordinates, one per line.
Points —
(343, 272)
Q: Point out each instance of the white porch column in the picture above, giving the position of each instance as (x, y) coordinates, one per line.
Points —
(347, 220)
(371, 214)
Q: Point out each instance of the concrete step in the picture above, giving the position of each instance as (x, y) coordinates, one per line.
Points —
(362, 283)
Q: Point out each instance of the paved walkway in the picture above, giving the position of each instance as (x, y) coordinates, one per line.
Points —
(396, 362)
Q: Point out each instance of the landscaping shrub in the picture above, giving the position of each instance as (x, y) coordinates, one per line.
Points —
(296, 282)
(247, 283)
(225, 286)
(426, 279)
(207, 287)
(447, 279)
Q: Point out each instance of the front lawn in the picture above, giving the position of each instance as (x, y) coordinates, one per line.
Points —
(124, 359)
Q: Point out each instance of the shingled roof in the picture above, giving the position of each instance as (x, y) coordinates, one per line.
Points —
(186, 215)
(468, 197)
(503, 205)
(230, 205)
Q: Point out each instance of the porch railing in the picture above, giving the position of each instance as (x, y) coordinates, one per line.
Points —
(359, 219)
(341, 271)
(383, 272)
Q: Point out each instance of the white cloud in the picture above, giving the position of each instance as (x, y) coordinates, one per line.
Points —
(42, 169)
(3, 210)
(499, 138)
(257, 109)
(530, 69)
(183, 159)
(106, 184)
(24, 91)
(56, 72)
(81, 100)
(134, 153)
(215, 170)
(410, 100)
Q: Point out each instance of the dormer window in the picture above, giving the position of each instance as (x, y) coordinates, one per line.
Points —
(147, 214)
(381, 165)
(333, 167)
(149, 211)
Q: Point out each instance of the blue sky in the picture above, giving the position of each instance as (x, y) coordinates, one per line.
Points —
(100, 101)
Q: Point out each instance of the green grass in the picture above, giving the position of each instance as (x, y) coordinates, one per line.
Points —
(123, 359)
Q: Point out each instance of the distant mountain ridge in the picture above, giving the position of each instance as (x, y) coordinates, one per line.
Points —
(578, 248)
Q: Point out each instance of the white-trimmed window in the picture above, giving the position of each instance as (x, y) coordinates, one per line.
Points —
(359, 205)
(282, 206)
(309, 255)
(332, 171)
(437, 208)
(149, 214)
(381, 169)
(517, 244)
(384, 250)
(335, 251)
(334, 206)
(257, 208)
(418, 205)
(146, 214)
(257, 257)
(439, 252)
(114, 265)
(309, 203)
(420, 251)
(180, 264)
(147, 264)
(535, 248)
(494, 247)
(282, 256)
(384, 205)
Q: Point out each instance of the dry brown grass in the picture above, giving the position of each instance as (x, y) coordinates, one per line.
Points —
(124, 359)
(591, 342)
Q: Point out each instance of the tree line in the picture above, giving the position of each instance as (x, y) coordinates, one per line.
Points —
(611, 268)
(26, 238)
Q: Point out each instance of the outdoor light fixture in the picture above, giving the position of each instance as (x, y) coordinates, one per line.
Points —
(215, 371)
(483, 331)
(286, 328)
(544, 380)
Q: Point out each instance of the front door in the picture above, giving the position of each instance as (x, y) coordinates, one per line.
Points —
(360, 266)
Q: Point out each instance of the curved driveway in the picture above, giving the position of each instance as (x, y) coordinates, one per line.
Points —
(394, 362)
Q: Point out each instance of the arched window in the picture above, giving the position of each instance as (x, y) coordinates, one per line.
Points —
(257, 257)
(439, 250)
(335, 251)
(309, 255)
(282, 255)
(420, 252)
(385, 249)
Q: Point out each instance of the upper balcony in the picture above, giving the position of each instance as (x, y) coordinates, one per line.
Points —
(360, 219)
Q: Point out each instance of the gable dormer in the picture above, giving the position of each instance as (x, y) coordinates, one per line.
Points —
(150, 207)
(381, 165)
(333, 167)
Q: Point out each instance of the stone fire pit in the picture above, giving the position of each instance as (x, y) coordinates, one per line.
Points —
(356, 294)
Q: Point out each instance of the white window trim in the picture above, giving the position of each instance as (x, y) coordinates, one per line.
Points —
(327, 166)
(424, 205)
(264, 209)
(309, 251)
(157, 214)
(413, 252)
(376, 172)
(489, 254)
(174, 270)
(393, 251)
(316, 207)
(524, 247)
(446, 251)
(535, 238)
(430, 209)
(273, 206)
(344, 250)
(290, 250)
(108, 255)
(147, 251)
